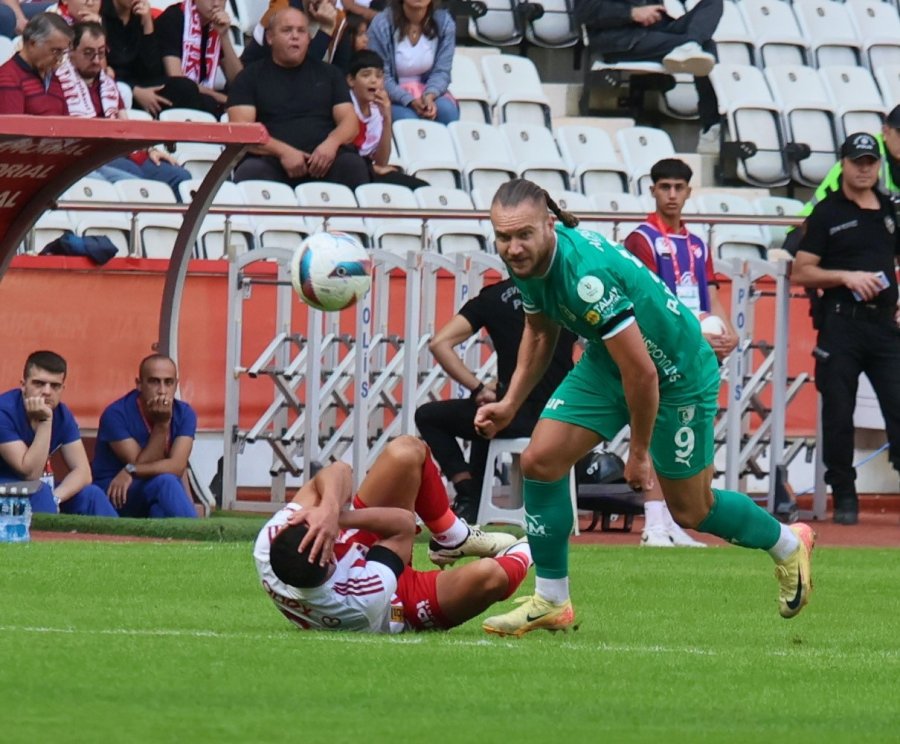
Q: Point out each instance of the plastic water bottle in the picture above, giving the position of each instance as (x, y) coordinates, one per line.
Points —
(15, 519)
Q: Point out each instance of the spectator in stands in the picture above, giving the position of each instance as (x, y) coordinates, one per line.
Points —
(683, 261)
(90, 92)
(143, 445)
(416, 43)
(78, 11)
(358, 31)
(848, 249)
(497, 309)
(14, 15)
(373, 109)
(134, 58)
(28, 84)
(329, 35)
(195, 41)
(305, 105)
(35, 423)
(642, 31)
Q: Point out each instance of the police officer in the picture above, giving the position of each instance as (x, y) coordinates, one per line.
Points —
(848, 250)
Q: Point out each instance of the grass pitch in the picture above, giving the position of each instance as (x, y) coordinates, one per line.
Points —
(140, 642)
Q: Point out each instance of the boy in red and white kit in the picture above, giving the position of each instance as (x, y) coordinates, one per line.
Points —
(373, 109)
(330, 568)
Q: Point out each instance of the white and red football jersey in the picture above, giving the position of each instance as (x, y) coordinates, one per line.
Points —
(358, 596)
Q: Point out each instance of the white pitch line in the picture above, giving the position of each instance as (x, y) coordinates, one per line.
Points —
(448, 640)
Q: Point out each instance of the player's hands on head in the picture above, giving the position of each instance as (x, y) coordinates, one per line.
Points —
(492, 418)
(322, 532)
(639, 471)
(37, 410)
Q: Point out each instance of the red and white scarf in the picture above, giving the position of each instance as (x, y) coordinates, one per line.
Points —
(78, 95)
(190, 47)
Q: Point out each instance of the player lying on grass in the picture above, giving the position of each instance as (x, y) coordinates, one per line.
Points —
(330, 568)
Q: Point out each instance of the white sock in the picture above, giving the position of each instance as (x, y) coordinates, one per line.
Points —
(454, 535)
(786, 545)
(553, 590)
(520, 548)
(654, 515)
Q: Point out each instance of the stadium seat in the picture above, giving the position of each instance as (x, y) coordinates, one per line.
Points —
(808, 117)
(186, 114)
(157, 230)
(273, 230)
(775, 31)
(535, 153)
(482, 152)
(888, 78)
(139, 115)
(618, 203)
(732, 241)
(395, 235)
(514, 90)
(500, 26)
(451, 236)
(114, 225)
(211, 236)
(52, 224)
(734, 42)
(878, 28)
(7, 49)
(197, 157)
(246, 13)
(426, 149)
(753, 116)
(323, 194)
(468, 89)
(831, 34)
(581, 205)
(776, 206)
(555, 28)
(641, 147)
(857, 100)
(681, 102)
(591, 159)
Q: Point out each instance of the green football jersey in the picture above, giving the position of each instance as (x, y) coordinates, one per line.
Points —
(595, 288)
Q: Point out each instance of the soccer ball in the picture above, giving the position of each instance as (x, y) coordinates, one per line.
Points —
(712, 325)
(331, 271)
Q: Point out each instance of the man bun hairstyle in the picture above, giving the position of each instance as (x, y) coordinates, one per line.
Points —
(289, 564)
(671, 168)
(363, 59)
(512, 193)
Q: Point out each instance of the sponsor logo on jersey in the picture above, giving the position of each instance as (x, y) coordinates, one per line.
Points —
(424, 614)
(609, 301)
(590, 289)
(554, 403)
(397, 615)
(665, 365)
(533, 526)
(686, 414)
(592, 316)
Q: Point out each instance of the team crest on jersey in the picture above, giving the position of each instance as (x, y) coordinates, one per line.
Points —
(592, 316)
(686, 414)
(590, 289)
(397, 615)
(890, 224)
(661, 246)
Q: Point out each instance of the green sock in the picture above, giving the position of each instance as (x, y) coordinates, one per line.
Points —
(548, 523)
(736, 518)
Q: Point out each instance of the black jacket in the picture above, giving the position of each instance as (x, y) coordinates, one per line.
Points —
(609, 22)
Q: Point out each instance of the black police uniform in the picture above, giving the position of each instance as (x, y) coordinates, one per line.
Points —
(854, 336)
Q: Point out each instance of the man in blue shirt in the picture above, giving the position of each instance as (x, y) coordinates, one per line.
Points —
(34, 424)
(143, 445)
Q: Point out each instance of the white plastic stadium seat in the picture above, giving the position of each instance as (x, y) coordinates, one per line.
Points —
(157, 231)
(391, 234)
(641, 147)
(197, 157)
(186, 114)
(325, 195)
(482, 152)
(776, 206)
(451, 236)
(775, 31)
(514, 89)
(830, 31)
(753, 116)
(52, 224)
(888, 78)
(273, 230)
(858, 102)
(534, 151)
(591, 158)
(734, 43)
(114, 225)
(211, 236)
(573, 201)
(878, 28)
(500, 26)
(139, 115)
(7, 49)
(556, 28)
(427, 150)
(733, 241)
(808, 117)
(615, 203)
(468, 89)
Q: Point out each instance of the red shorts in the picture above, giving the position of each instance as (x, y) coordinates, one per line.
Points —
(417, 591)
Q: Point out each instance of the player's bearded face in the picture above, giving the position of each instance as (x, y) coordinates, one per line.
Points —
(525, 237)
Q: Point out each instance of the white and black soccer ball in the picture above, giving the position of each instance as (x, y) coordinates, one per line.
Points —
(331, 271)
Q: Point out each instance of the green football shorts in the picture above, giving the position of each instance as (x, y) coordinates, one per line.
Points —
(683, 435)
